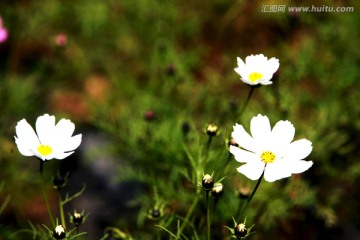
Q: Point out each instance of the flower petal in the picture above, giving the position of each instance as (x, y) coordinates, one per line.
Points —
(241, 64)
(252, 170)
(300, 166)
(283, 132)
(45, 126)
(72, 143)
(26, 139)
(243, 138)
(276, 171)
(299, 149)
(273, 65)
(260, 128)
(64, 128)
(62, 155)
(242, 155)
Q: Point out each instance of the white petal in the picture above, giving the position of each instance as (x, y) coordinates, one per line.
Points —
(283, 132)
(245, 80)
(242, 73)
(267, 76)
(299, 149)
(266, 82)
(62, 155)
(72, 143)
(260, 128)
(242, 155)
(241, 64)
(255, 60)
(45, 126)
(62, 141)
(276, 171)
(300, 166)
(26, 139)
(273, 65)
(64, 128)
(252, 171)
(243, 138)
(44, 158)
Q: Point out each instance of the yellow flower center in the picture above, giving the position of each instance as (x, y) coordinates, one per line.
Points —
(268, 157)
(253, 77)
(44, 150)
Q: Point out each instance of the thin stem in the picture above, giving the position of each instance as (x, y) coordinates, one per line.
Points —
(252, 194)
(61, 209)
(189, 213)
(252, 88)
(208, 215)
(44, 194)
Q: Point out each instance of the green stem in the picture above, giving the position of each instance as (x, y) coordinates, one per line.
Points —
(189, 213)
(252, 88)
(208, 215)
(44, 194)
(252, 194)
(61, 209)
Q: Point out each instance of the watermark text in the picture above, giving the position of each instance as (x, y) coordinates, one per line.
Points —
(273, 8)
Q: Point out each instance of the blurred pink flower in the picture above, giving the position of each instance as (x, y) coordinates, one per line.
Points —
(61, 39)
(3, 32)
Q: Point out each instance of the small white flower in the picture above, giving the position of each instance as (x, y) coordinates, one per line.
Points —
(270, 150)
(257, 69)
(51, 141)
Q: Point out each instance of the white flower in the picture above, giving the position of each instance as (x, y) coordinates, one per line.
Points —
(257, 69)
(269, 150)
(51, 141)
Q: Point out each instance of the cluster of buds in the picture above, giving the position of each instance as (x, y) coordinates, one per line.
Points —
(208, 184)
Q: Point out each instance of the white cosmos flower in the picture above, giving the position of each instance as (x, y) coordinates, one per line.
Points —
(270, 150)
(50, 140)
(257, 69)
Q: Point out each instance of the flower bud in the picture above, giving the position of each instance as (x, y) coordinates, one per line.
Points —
(155, 213)
(244, 192)
(218, 190)
(185, 127)
(59, 182)
(170, 70)
(212, 130)
(149, 115)
(240, 230)
(232, 142)
(77, 218)
(61, 40)
(207, 182)
(59, 232)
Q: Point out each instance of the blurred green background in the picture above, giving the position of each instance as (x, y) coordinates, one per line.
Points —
(141, 79)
